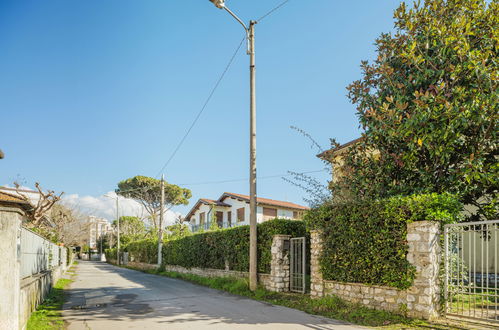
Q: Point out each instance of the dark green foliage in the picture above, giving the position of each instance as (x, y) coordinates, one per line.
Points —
(110, 254)
(216, 248)
(145, 250)
(429, 105)
(147, 191)
(365, 242)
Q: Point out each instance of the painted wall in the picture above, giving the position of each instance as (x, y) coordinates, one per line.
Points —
(234, 206)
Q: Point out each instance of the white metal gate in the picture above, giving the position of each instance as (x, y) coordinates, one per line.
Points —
(298, 265)
(471, 270)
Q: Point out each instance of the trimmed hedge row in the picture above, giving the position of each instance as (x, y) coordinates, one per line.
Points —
(216, 249)
(145, 250)
(110, 253)
(366, 242)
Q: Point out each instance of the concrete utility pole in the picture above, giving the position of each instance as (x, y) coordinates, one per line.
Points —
(161, 209)
(253, 242)
(250, 35)
(118, 227)
(100, 238)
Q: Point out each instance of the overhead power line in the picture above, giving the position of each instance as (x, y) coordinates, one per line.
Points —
(202, 108)
(273, 11)
(246, 179)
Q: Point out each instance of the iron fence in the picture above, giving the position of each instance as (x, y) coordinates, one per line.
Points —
(471, 270)
(208, 225)
(298, 265)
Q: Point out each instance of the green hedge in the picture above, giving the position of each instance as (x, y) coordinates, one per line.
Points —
(365, 242)
(214, 248)
(110, 253)
(145, 250)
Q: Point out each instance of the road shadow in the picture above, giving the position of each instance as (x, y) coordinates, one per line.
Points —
(137, 296)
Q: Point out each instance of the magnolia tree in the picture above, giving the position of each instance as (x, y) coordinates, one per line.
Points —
(147, 191)
(428, 106)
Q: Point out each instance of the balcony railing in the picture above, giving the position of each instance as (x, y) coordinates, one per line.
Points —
(208, 226)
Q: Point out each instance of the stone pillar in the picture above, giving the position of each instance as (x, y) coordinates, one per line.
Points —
(317, 283)
(10, 237)
(279, 266)
(423, 298)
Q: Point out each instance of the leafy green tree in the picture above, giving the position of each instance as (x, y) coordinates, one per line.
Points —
(147, 191)
(131, 229)
(428, 106)
(177, 230)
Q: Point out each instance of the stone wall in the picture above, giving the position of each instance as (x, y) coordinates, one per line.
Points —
(263, 279)
(421, 300)
(279, 266)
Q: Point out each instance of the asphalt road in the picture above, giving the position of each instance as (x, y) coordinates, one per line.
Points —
(108, 297)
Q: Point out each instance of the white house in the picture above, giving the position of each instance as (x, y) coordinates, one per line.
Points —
(233, 210)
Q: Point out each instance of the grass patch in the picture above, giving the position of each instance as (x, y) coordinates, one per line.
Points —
(48, 315)
(331, 307)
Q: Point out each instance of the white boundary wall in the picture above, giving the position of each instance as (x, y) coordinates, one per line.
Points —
(31, 265)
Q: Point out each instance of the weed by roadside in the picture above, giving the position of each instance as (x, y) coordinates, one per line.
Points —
(48, 315)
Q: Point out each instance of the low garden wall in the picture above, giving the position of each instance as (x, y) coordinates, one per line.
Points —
(421, 299)
(390, 263)
(35, 288)
(274, 254)
(263, 279)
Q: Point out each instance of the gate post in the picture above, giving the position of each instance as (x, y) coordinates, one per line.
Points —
(317, 283)
(279, 266)
(423, 298)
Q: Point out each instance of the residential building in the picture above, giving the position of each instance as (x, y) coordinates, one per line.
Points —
(234, 210)
(98, 227)
(336, 155)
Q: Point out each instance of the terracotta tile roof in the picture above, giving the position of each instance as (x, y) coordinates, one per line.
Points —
(265, 201)
(5, 197)
(213, 202)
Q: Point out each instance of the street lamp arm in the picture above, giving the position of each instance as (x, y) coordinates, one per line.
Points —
(237, 19)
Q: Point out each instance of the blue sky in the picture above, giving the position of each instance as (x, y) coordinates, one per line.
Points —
(93, 92)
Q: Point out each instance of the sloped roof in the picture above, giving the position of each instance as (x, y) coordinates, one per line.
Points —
(265, 201)
(9, 198)
(205, 201)
(328, 153)
(213, 202)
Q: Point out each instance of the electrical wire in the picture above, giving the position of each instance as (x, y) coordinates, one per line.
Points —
(202, 108)
(273, 10)
(246, 179)
(214, 89)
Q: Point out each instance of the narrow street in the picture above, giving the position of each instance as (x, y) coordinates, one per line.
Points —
(107, 297)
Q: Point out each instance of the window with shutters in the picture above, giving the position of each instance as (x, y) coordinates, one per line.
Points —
(229, 217)
(298, 215)
(269, 213)
(202, 218)
(240, 214)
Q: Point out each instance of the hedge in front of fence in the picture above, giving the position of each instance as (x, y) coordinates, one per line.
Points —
(366, 242)
(110, 254)
(145, 250)
(216, 249)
